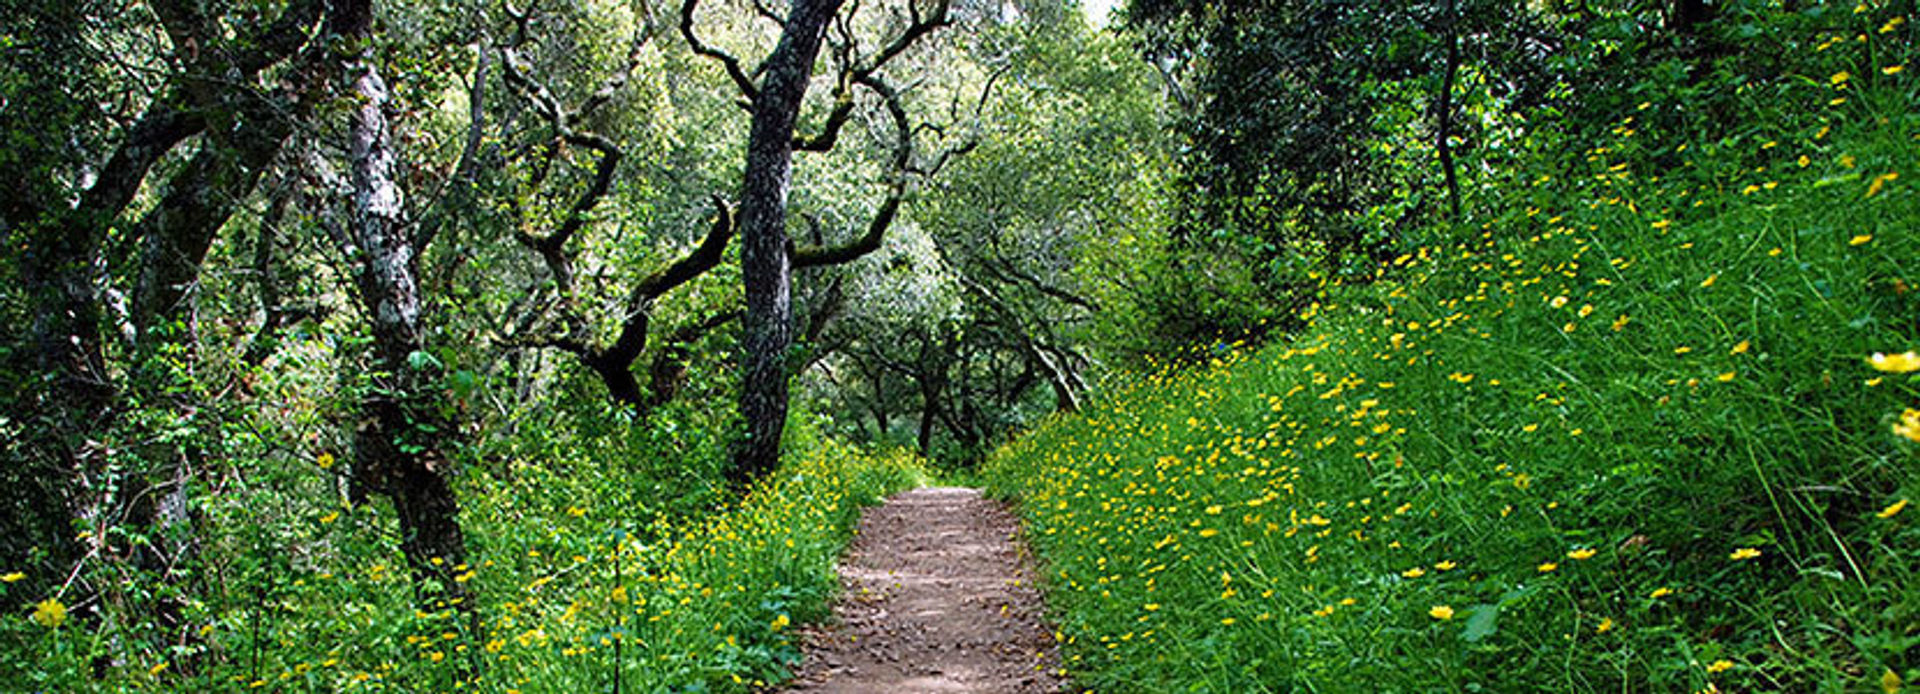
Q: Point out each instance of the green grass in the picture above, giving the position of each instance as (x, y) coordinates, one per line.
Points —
(1623, 437)
(568, 595)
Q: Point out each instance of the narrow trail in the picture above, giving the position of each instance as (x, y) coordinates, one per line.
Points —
(939, 598)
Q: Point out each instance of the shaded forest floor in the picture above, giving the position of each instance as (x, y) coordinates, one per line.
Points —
(939, 597)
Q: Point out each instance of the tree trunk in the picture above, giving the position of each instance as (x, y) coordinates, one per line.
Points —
(875, 377)
(397, 445)
(765, 260)
(1444, 111)
(929, 414)
(66, 397)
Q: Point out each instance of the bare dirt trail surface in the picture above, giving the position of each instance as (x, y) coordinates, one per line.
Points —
(939, 598)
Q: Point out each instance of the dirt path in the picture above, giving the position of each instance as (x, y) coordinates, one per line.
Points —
(939, 598)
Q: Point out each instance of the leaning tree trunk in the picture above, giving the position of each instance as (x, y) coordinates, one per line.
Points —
(397, 452)
(765, 259)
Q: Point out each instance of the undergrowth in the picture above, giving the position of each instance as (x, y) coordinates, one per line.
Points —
(572, 597)
(1626, 434)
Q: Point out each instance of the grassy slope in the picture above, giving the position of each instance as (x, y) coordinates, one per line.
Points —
(1539, 459)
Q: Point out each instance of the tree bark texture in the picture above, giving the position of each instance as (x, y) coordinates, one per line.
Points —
(396, 447)
(765, 252)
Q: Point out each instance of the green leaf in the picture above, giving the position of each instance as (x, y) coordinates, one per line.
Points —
(422, 361)
(1482, 624)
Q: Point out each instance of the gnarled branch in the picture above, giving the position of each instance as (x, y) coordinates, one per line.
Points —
(726, 60)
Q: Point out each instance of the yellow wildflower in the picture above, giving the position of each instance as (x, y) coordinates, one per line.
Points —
(324, 461)
(49, 613)
(1723, 664)
(1873, 188)
(1661, 592)
(1743, 554)
(1581, 554)
(9, 578)
(1414, 572)
(1909, 425)
(1895, 363)
(1548, 567)
(1860, 240)
(1893, 509)
(1440, 612)
(1606, 625)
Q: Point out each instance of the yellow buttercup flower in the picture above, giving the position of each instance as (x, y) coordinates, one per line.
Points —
(1743, 554)
(1548, 567)
(9, 578)
(1582, 554)
(1909, 425)
(1895, 363)
(49, 613)
(1442, 612)
(1721, 665)
(1880, 181)
(1893, 509)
